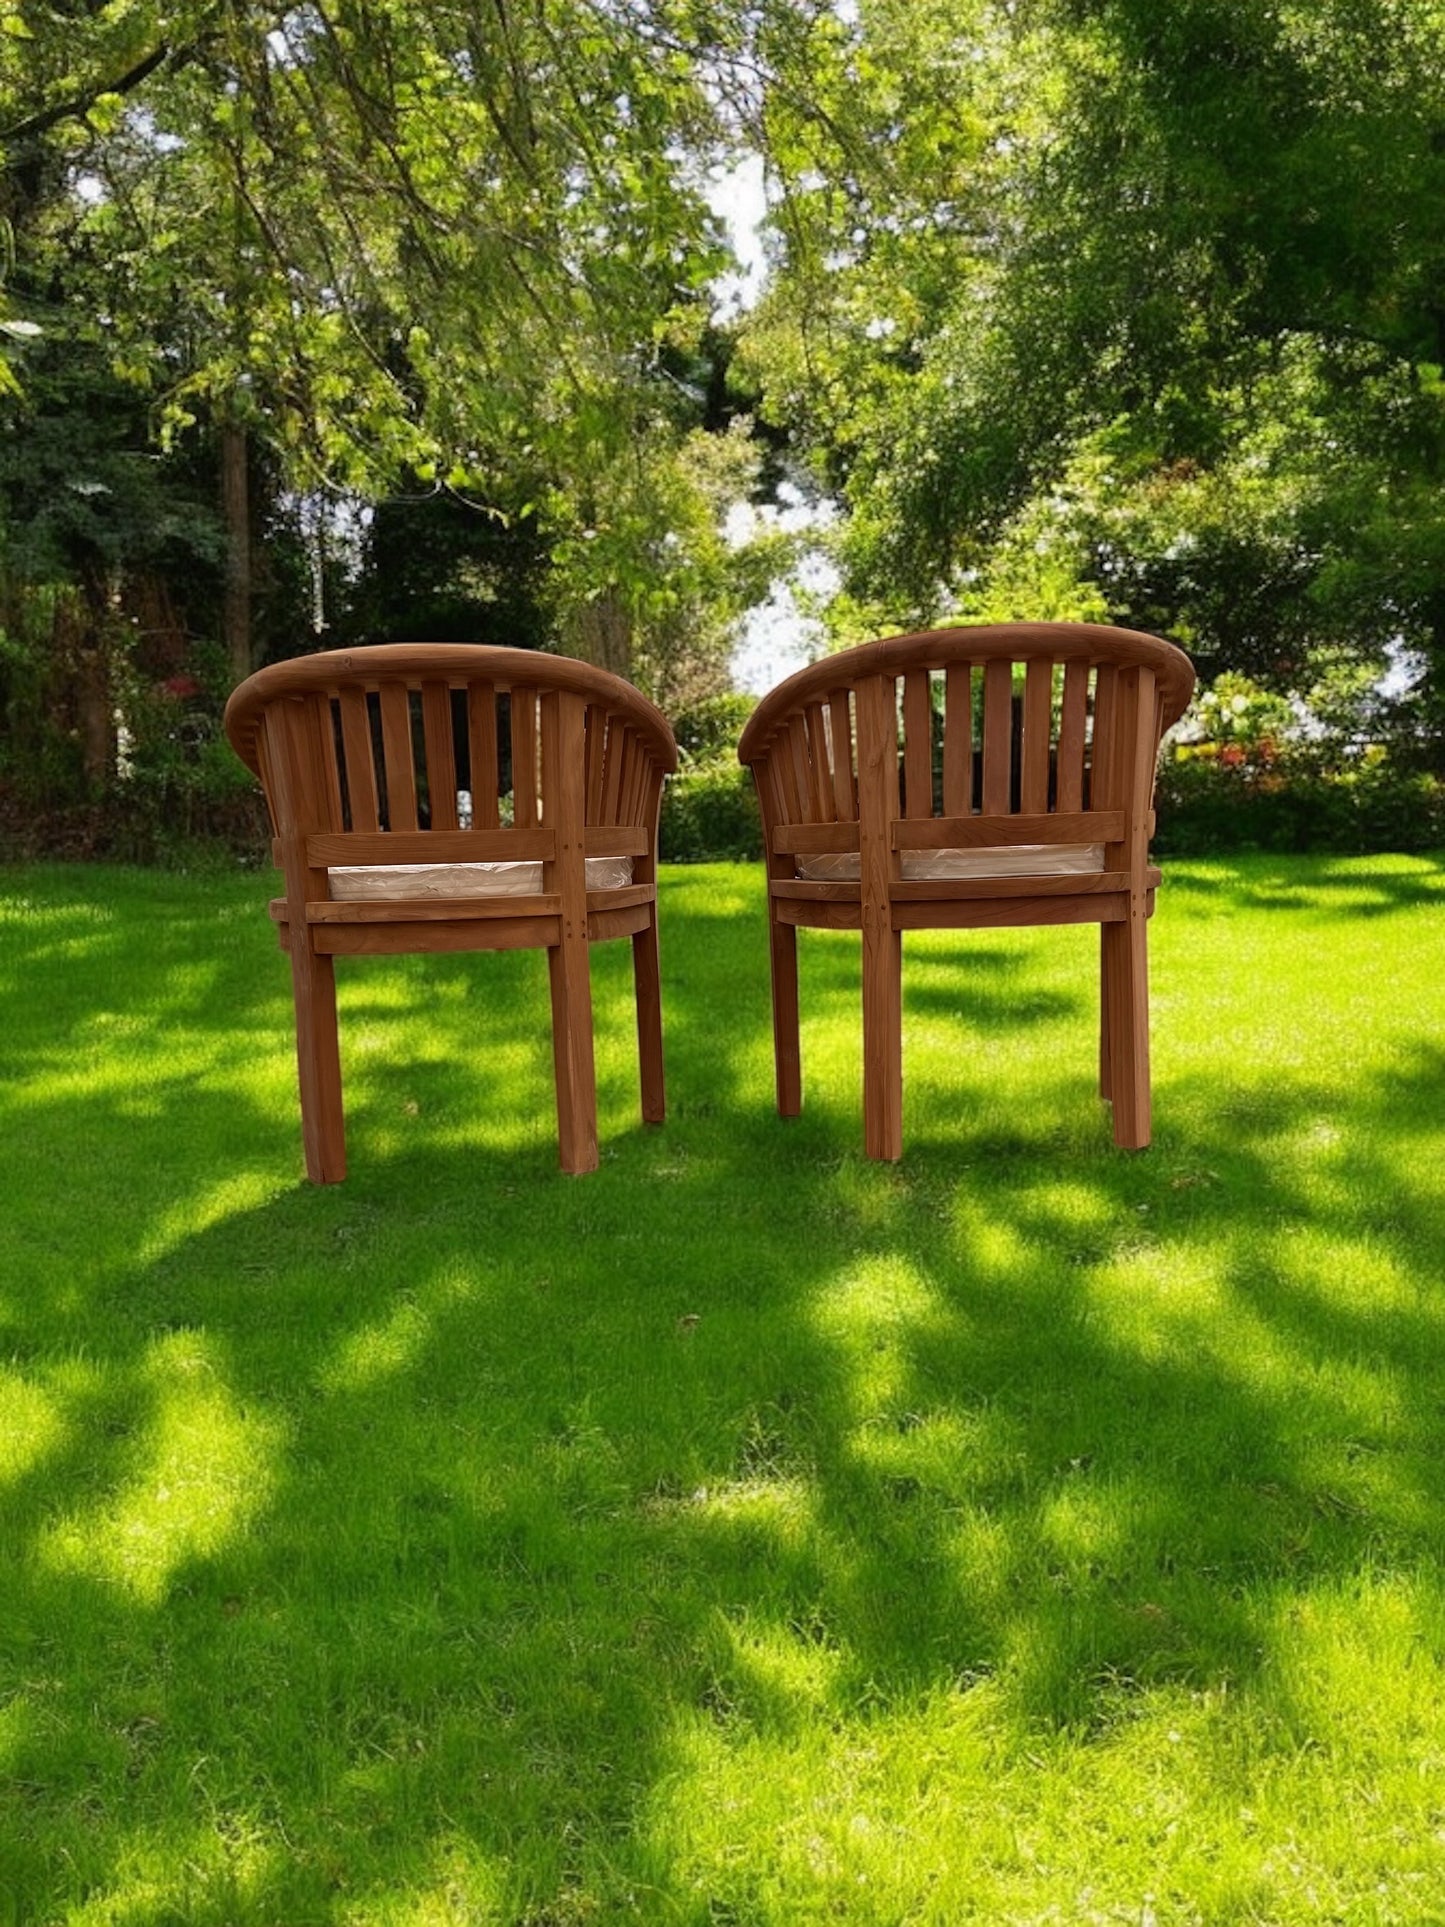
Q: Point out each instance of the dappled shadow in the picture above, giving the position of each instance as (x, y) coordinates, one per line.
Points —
(1359, 886)
(366, 1534)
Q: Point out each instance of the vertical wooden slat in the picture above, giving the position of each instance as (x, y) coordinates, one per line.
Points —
(882, 944)
(649, 786)
(322, 729)
(596, 751)
(958, 739)
(441, 760)
(803, 775)
(482, 745)
(360, 773)
(612, 777)
(845, 789)
(1038, 718)
(917, 744)
(609, 768)
(1130, 748)
(820, 764)
(524, 758)
(785, 772)
(772, 793)
(396, 746)
(631, 757)
(997, 735)
(1069, 783)
(628, 775)
(1102, 790)
(636, 784)
(638, 800)
(316, 781)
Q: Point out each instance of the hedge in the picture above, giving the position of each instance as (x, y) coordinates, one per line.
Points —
(710, 815)
(1209, 809)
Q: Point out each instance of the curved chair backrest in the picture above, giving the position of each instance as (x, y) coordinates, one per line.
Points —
(369, 759)
(963, 777)
(1078, 738)
(360, 743)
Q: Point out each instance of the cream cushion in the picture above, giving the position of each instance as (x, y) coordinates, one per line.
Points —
(368, 883)
(931, 866)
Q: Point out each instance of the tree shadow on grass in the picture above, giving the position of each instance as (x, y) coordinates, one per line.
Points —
(383, 1540)
(1366, 887)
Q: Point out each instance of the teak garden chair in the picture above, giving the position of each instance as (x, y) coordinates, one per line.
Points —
(369, 758)
(1028, 754)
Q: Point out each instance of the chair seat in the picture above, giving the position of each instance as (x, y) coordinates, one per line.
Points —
(384, 881)
(931, 866)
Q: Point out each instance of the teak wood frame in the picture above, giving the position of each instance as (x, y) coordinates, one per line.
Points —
(1066, 758)
(354, 747)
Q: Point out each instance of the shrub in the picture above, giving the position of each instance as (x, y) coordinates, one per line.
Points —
(1252, 770)
(710, 815)
(1208, 806)
(708, 731)
(710, 808)
(176, 794)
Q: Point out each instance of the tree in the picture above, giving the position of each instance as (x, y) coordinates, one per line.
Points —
(461, 244)
(91, 524)
(458, 247)
(1186, 345)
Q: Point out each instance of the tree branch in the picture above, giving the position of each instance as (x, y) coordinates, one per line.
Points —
(79, 105)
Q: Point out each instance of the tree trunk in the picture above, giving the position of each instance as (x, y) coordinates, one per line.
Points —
(95, 735)
(93, 679)
(1434, 704)
(236, 514)
(602, 633)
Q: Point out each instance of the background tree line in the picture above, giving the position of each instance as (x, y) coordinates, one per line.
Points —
(399, 316)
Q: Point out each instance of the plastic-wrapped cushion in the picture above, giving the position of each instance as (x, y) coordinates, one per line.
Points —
(932, 866)
(352, 884)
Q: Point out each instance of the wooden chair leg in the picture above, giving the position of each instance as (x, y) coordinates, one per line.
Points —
(1104, 954)
(648, 984)
(318, 1063)
(882, 1043)
(783, 941)
(1126, 997)
(571, 979)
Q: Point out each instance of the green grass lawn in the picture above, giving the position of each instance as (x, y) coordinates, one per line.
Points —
(746, 1534)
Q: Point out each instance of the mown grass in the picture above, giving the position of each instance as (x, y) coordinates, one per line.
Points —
(746, 1534)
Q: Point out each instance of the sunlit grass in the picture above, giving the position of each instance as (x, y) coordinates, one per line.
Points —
(747, 1533)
